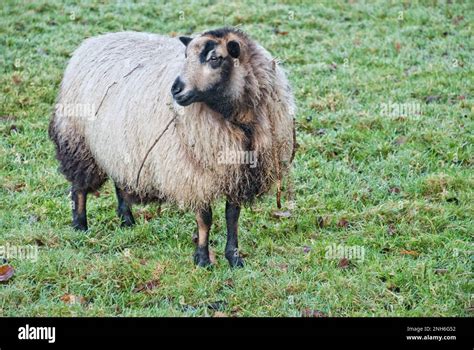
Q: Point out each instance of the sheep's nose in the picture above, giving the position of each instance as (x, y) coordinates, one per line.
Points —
(177, 87)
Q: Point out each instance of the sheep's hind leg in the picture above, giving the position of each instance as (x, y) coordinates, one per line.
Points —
(232, 213)
(123, 209)
(79, 200)
(204, 222)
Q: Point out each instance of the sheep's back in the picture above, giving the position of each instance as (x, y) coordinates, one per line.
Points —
(118, 87)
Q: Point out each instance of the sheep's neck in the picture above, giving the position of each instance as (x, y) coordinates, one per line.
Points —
(226, 134)
(223, 107)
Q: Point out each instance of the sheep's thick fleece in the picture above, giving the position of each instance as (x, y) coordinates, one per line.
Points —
(123, 80)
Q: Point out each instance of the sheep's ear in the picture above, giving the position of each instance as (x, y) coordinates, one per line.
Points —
(233, 48)
(185, 40)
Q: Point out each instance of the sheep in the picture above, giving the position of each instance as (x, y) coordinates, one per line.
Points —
(183, 121)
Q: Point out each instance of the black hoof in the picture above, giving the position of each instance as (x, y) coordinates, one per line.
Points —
(126, 216)
(127, 221)
(201, 257)
(79, 226)
(236, 262)
(234, 259)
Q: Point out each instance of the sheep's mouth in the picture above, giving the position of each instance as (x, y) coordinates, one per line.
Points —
(185, 99)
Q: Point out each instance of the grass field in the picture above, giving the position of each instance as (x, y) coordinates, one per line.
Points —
(384, 167)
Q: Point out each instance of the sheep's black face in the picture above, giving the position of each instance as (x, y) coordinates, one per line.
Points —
(211, 72)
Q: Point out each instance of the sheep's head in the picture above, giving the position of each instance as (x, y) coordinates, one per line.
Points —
(212, 71)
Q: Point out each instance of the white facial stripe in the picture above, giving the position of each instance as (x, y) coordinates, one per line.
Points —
(212, 52)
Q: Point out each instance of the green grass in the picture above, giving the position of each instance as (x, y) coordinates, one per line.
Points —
(401, 182)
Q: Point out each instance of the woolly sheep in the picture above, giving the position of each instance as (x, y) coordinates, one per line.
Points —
(168, 122)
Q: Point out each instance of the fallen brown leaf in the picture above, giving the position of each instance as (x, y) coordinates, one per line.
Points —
(6, 272)
(229, 283)
(219, 314)
(278, 32)
(146, 287)
(441, 271)
(343, 223)
(409, 252)
(19, 187)
(73, 299)
(147, 216)
(344, 263)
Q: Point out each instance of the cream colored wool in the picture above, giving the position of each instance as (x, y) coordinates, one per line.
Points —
(126, 78)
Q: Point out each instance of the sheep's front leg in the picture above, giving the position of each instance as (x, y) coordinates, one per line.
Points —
(204, 222)
(232, 212)
(123, 209)
(79, 216)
